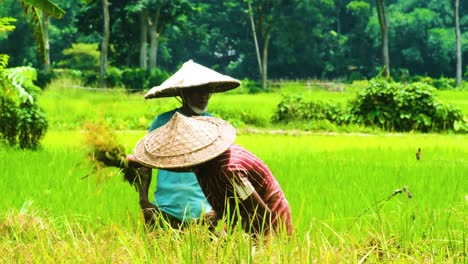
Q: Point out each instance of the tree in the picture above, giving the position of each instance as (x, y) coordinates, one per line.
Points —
(155, 16)
(383, 22)
(309, 39)
(458, 45)
(268, 13)
(414, 41)
(254, 33)
(165, 13)
(23, 121)
(5, 26)
(359, 43)
(308, 30)
(216, 34)
(143, 15)
(123, 30)
(105, 35)
(156, 28)
(39, 24)
(104, 44)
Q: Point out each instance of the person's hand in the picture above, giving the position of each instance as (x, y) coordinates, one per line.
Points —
(131, 160)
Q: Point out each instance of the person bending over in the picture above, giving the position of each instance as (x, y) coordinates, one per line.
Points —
(178, 198)
(235, 182)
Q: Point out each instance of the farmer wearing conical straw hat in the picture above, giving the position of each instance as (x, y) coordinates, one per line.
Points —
(233, 179)
(178, 197)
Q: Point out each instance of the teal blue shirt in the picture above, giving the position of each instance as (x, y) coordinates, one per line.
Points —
(178, 193)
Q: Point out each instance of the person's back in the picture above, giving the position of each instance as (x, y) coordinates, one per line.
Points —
(236, 183)
(237, 174)
(178, 193)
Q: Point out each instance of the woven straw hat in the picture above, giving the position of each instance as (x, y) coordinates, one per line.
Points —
(192, 76)
(184, 142)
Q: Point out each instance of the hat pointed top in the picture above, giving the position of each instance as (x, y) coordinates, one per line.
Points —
(185, 142)
(193, 76)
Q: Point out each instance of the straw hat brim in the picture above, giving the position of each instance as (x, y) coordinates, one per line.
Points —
(193, 76)
(215, 87)
(185, 142)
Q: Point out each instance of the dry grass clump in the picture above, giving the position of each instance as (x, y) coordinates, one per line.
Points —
(105, 150)
(22, 224)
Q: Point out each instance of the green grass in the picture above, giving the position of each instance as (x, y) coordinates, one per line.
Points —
(329, 180)
(343, 174)
(456, 98)
(336, 183)
(69, 108)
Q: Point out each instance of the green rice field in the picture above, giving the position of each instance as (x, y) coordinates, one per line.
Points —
(69, 108)
(354, 197)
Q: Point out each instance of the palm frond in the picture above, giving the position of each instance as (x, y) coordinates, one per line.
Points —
(5, 24)
(3, 61)
(45, 6)
(32, 9)
(36, 27)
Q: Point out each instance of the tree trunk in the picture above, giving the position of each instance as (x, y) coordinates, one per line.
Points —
(154, 49)
(458, 41)
(104, 44)
(384, 38)
(45, 28)
(154, 36)
(143, 39)
(254, 33)
(265, 61)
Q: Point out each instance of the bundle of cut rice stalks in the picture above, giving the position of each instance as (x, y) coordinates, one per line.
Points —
(106, 151)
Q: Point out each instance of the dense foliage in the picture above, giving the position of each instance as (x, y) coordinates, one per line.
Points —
(321, 39)
(391, 106)
(404, 107)
(297, 108)
(22, 120)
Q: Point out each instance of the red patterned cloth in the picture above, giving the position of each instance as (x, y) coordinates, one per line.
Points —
(237, 173)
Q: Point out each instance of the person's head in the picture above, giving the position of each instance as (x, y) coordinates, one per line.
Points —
(193, 76)
(195, 100)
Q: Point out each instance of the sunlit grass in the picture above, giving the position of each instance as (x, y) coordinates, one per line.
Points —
(342, 175)
(332, 183)
(456, 98)
(337, 186)
(69, 108)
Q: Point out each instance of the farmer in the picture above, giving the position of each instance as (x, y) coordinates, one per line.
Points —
(233, 179)
(178, 197)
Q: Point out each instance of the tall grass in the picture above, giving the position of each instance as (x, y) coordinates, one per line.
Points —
(340, 176)
(332, 182)
(345, 190)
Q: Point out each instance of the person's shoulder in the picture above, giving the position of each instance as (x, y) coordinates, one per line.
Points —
(242, 153)
(167, 114)
(236, 148)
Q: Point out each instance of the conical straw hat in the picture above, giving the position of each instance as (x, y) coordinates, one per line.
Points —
(185, 141)
(192, 76)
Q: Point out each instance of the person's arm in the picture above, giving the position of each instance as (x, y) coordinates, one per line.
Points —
(260, 214)
(142, 183)
(142, 176)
